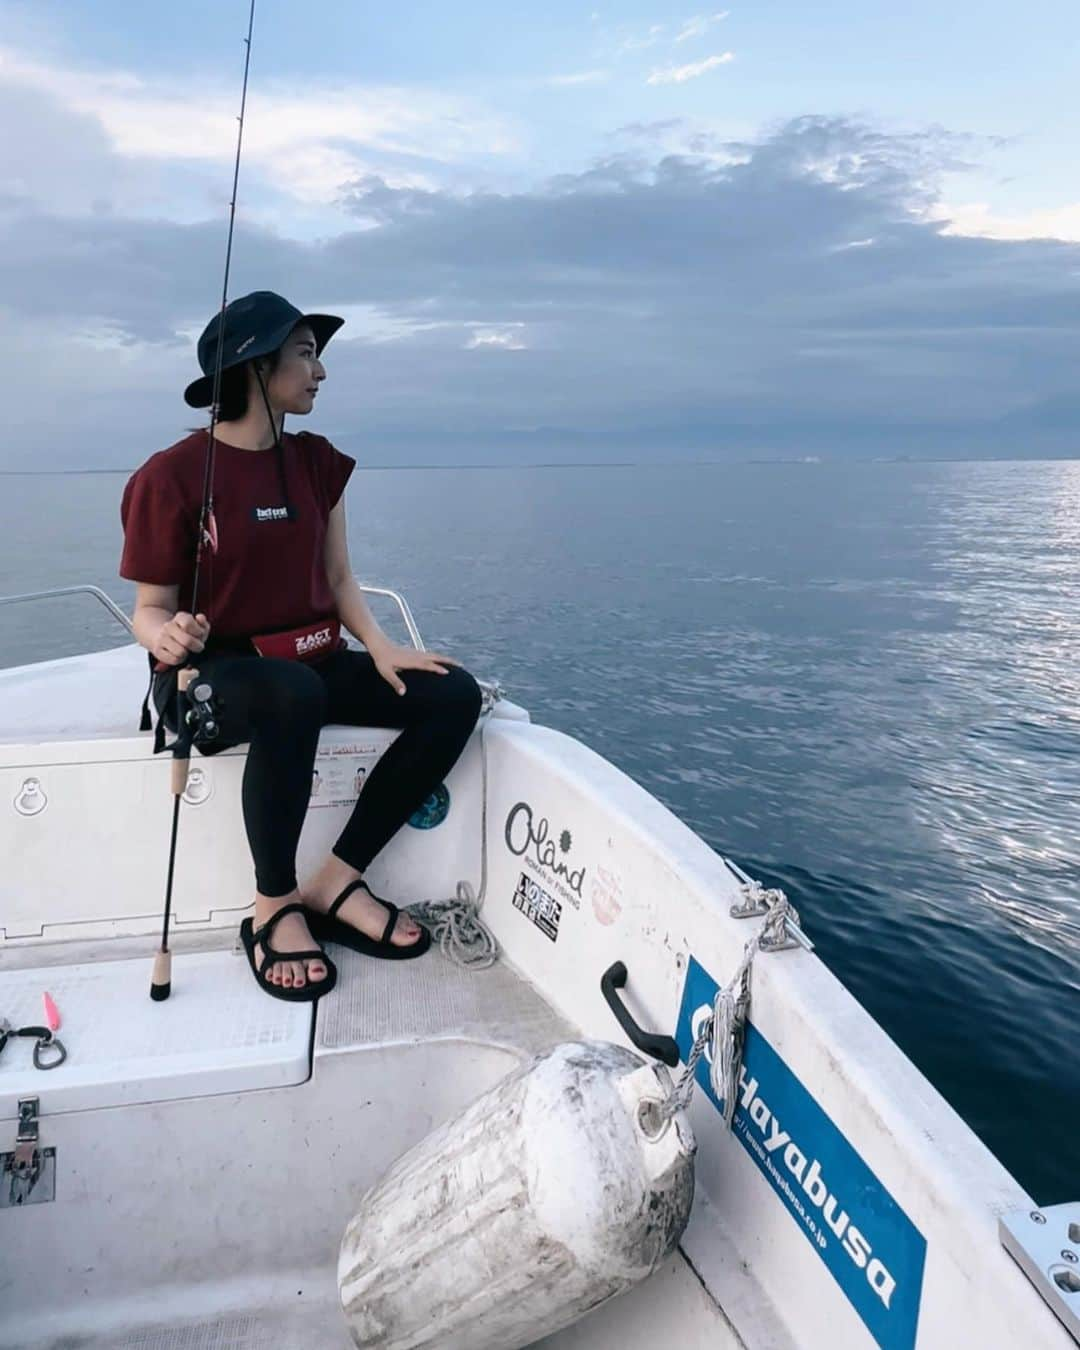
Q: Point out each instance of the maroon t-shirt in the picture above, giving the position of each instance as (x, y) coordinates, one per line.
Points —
(268, 572)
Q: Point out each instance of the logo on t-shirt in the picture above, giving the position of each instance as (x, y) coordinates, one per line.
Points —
(263, 514)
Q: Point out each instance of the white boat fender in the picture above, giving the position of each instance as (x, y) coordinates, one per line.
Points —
(553, 1192)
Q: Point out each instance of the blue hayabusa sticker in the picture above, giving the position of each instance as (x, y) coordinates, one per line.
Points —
(870, 1246)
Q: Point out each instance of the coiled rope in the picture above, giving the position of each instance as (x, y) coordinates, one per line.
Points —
(455, 923)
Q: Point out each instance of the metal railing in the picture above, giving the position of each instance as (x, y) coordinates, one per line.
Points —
(118, 614)
(406, 612)
(96, 591)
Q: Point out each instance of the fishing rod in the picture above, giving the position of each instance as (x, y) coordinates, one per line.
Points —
(194, 705)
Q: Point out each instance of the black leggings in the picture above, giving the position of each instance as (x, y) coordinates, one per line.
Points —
(279, 708)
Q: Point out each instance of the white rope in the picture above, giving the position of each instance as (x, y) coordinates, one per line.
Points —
(728, 1029)
(456, 926)
(724, 1029)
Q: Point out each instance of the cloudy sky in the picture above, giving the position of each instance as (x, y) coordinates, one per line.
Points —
(557, 232)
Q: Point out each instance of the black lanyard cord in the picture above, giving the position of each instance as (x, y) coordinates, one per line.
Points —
(279, 449)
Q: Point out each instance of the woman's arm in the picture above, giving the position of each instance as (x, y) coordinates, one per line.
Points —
(349, 599)
(164, 633)
(353, 612)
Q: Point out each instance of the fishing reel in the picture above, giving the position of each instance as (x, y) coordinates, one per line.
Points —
(201, 717)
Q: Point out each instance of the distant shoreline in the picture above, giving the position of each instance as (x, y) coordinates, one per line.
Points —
(810, 462)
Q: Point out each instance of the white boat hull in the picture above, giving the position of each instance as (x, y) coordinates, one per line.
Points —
(848, 1207)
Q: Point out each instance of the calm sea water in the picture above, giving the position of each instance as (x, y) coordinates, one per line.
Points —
(862, 682)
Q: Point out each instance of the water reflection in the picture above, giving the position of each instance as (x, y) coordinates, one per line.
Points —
(858, 680)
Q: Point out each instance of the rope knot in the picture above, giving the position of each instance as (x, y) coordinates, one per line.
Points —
(724, 1030)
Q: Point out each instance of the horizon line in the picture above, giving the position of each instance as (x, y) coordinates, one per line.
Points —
(808, 461)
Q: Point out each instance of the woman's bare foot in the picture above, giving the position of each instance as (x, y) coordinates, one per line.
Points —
(360, 911)
(290, 935)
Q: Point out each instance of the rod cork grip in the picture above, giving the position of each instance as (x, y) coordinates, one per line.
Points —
(180, 761)
(161, 979)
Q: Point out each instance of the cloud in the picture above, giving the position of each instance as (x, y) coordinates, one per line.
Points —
(680, 74)
(623, 41)
(306, 148)
(509, 341)
(699, 26)
(650, 131)
(580, 77)
(636, 42)
(797, 288)
(980, 219)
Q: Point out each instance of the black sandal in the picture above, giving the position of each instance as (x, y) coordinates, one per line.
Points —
(252, 937)
(329, 928)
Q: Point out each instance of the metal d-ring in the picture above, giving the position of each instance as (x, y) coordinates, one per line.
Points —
(49, 1044)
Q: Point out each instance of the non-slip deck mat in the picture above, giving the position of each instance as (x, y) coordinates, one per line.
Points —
(378, 1002)
(307, 1328)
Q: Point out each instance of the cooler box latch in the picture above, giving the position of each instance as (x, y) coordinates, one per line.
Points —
(27, 1173)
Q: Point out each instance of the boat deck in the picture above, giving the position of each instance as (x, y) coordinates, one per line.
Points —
(397, 1047)
(269, 1173)
(315, 1323)
(201, 1195)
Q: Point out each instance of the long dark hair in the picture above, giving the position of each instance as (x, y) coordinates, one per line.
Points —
(234, 387)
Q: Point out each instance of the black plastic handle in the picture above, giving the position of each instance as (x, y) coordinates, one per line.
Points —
(663, 1048)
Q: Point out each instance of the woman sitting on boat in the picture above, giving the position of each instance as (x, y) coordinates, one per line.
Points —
(267, 604)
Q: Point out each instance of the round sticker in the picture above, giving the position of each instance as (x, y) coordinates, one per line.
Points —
(432, 811)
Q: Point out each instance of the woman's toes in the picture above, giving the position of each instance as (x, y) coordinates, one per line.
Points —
(274, 972)
(316, 972)
(299, 978)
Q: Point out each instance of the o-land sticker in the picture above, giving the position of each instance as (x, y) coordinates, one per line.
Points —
(545, 852)
(870, 1246)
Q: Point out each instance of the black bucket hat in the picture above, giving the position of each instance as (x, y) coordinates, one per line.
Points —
(254, 325)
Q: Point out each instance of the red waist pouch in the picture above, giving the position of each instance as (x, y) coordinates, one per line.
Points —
(311, 643)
